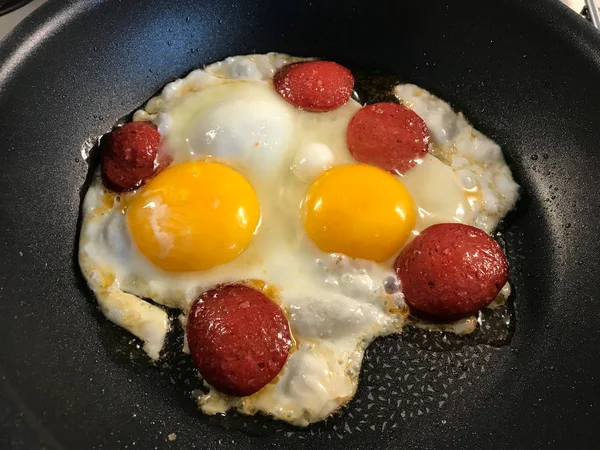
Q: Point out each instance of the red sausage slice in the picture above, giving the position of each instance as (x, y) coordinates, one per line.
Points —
(389, 136)
(238, 337)
(130, 156)
(314, 85)
(451, 270)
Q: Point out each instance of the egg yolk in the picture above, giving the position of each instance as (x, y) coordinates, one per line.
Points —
(194, 216)
(358, 210)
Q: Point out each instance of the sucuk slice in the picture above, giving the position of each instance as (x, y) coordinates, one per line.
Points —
(389, 136)
(316, 86)
(451, 270)
(239, 338)
(130, 156)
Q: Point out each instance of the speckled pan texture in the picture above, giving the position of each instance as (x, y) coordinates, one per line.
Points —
(526, 73)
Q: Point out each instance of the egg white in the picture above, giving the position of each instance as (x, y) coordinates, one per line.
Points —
(336, 305)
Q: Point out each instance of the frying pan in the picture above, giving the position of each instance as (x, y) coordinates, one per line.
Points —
(527, 73)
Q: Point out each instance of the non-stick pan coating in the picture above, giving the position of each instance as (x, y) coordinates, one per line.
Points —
(526, 72)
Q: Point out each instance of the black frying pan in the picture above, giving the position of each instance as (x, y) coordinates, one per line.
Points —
(526, 72)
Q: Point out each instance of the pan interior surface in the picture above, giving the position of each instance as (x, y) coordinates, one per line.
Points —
(526, 73)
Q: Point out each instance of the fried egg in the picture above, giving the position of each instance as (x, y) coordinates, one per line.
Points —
(264, 183)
